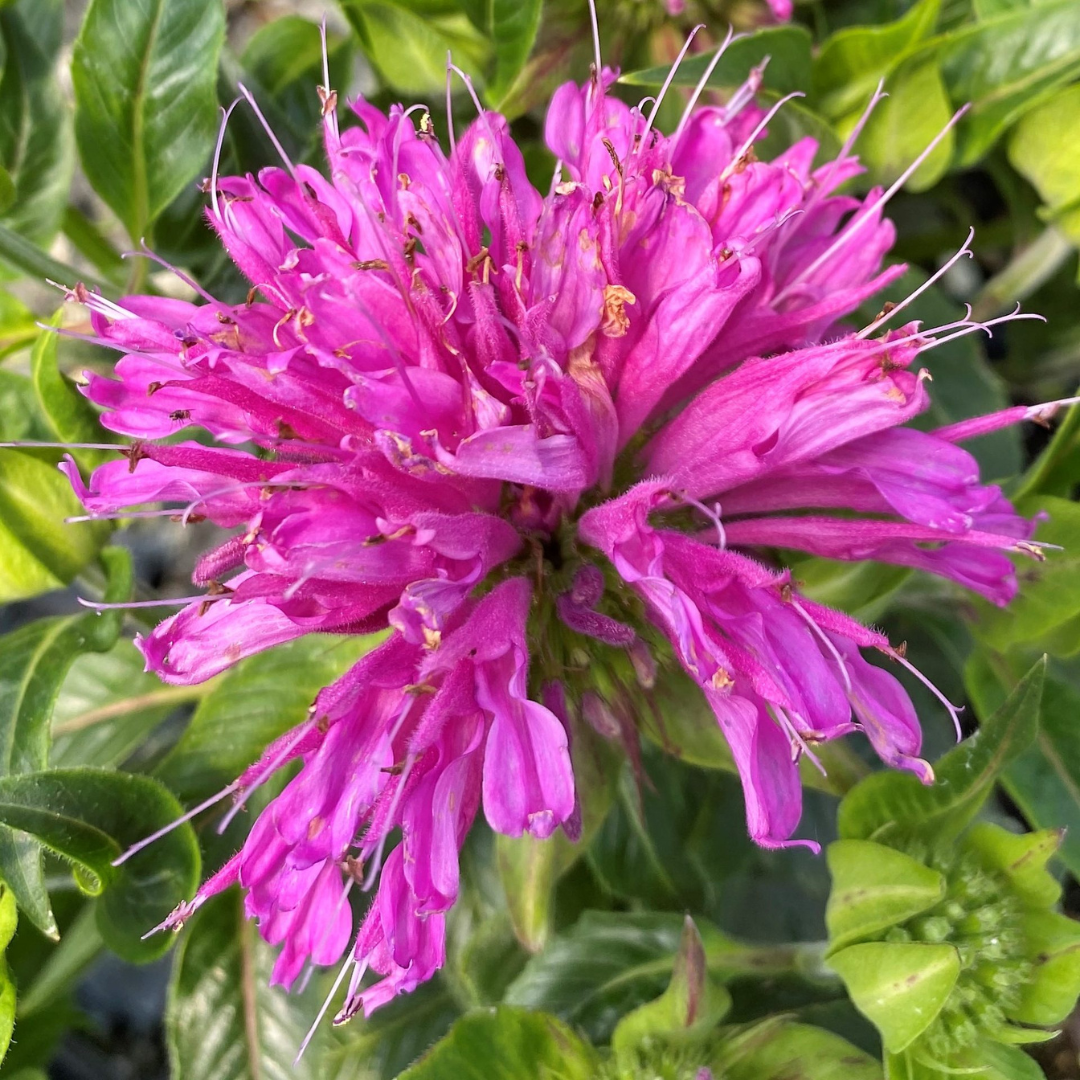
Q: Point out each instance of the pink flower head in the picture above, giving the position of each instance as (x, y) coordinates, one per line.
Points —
(502, 425)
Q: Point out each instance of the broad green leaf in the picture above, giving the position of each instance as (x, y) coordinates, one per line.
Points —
(875, 887)
(852, 60)
(906, 122)
(33, 662)
(92, 244)
(1044, 781)
(1005, 66)
(506, 1044)
(511, 26)
(71, 418)
(965, 775)
(394, 1037)
(17, 324)
(688, 1009)
(144, 73)
(250, 706)
(38, 550)
(26, 256)
(611, 962)
(780, 1050)
(1044, 614)
(91, 817)
(899, 987)
(108, 704)
(36, 147)
(408, 49)
(1050, 163)
(1053, 943)
(788, 48)
(7, 190)
(223, 1020)
(8, 919)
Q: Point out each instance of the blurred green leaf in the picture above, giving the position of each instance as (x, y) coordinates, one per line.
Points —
(780, 1050)
(250, 706)
(80, 944)
(506, 1044)
(853, 60)
(609, 963)
(1044, 615)
(8, 918)
(1044, 781)
(17, 324)
(71, 418)
(33, 662)
(1049, 995)
(144, 73)
(7, 190)
(789, 66)
(223, 1019)
(906, 122)
(964, 776)
(1004, 66)
(36, 147)
(108, 704)
(1050, 163)
(408, 48)
(91, 817)
(510, 26)
(31, 260)
(875, 887)
(901, 987)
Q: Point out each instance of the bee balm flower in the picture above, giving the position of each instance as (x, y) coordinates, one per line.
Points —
(497, 423)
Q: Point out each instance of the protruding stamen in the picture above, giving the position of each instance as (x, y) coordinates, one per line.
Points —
(193, 812)
(1042, 413)
(868, 212)
(825, 640)
(325, 1006)
(752, 137)
(702, 83)
(29, 445)
(269, 131)
(597, 59)
(225, 114)
(169, 601)
(667, 83)
(954, 711)
(885, 316)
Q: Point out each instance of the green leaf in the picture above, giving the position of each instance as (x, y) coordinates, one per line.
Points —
(906, 122)
(900, 988)
(875, 887)
(71, 418)
(688, 1009)
(26, 256)
(408, 49)
(788, 70)
(38, 550)
(1005, 66)
(91, 817)
(1052, 164)
(965, 775)
(256, 701)
(33, 662)
(611, 962)
(7, 190)
(780, 1050)
(394, 1037)
(144, 73)
(1044, 614)
(108, 704)
(223, 1020)
(852, 60)
(17, 324)
(511, 25)
(36, 146)
(1053, 943)
(80, 945)
(506, 1044)
(8, 919)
